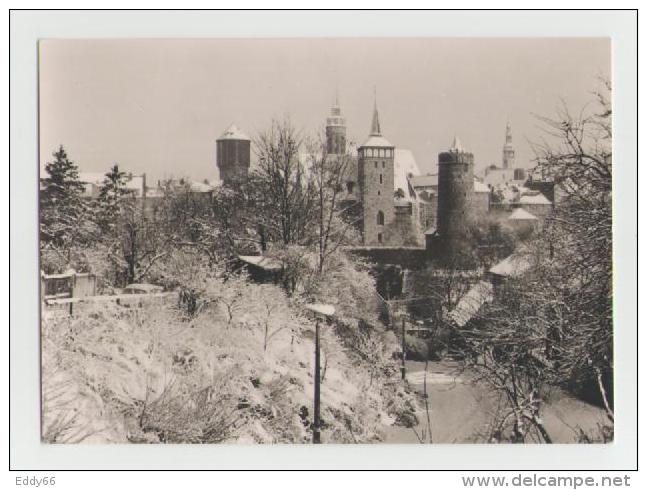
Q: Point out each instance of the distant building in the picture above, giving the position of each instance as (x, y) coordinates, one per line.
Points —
(93, 182)
(508, 173)
(508, 149)
(480, 199)
(233, 150)
(536, 203)
(425, 183)
(336, 131)
(378, 180)
(522, 221)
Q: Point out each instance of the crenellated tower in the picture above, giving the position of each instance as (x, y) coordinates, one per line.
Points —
(455, 193)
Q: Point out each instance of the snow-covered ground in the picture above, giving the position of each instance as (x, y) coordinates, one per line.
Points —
(115, 374)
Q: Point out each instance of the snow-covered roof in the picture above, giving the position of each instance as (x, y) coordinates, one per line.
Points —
(233, 133)
(201, 187)
(480, 186)
(377, 141)
(400, 202)
(131, 182)
(404, 166)
(92, 177)
(154, 192)
(521, 214)
(267, 263)
(428, 180)
(512, 266)
(535, 198)
(471, 303)
(135, 183)
(321, 309)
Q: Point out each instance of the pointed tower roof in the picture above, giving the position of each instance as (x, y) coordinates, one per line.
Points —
(375, 137)
(233, 133)
(336, 118)
(508, 134)
(375, 124)
(457, 145)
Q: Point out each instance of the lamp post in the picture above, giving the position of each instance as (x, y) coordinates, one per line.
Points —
(321, 311)
(403, 367)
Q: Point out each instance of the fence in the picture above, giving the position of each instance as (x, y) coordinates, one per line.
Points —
(68, 285)
(122, 299)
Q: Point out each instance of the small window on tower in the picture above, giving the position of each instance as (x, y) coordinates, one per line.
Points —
(379, 238)
(380, 178)
(380, 218)
(375, 164)
(349, 186)
(383, 165)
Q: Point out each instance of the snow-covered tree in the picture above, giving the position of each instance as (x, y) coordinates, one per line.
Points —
(65, 217)
(108, 204)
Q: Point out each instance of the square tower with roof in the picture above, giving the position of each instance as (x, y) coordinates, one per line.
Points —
(376, 182)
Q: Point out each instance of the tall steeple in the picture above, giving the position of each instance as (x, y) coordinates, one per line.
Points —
(508, 149)
(376, 178)
(336, 129)
(375, 124)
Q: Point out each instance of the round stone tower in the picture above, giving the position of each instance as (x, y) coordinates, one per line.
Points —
(233, 156)
(336, 131)
(455, 192)
(375, 174)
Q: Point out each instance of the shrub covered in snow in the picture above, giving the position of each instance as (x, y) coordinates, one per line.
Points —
(238, 369)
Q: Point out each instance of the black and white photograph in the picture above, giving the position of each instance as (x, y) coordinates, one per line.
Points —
(328, 241)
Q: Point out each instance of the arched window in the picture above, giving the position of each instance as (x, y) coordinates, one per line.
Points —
(380, 218)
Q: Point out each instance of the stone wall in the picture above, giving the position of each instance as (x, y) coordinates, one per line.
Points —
(411, 258)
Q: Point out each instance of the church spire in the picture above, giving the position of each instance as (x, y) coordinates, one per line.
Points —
(508, 133)
(508, 149)
(375, 125)
(336, 129)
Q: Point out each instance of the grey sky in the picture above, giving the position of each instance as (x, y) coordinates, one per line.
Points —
(157, 106)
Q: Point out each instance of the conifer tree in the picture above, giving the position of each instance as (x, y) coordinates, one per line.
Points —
(110, 198)
(63, 213)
